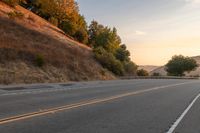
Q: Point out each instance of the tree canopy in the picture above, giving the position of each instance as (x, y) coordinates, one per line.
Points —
(180, 64)
(142, 72)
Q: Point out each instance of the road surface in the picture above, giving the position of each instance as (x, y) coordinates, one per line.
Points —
(121, 106)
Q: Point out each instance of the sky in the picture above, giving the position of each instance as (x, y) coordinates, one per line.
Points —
(153, 30)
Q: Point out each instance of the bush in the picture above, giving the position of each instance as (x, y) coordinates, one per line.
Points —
(81, 36)
(68, 27)
(15, 14)
(54, 21)
(142, 72)
(156, 74)
(107, 60)
(130, 68)
(39, 60)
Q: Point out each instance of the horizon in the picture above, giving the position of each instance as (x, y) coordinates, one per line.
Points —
(159, 29)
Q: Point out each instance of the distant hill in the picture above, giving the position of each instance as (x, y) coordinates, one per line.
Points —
(148, 68)
(162, 71)
(26, 40)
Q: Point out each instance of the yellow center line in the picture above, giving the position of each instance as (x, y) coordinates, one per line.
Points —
(80, 104)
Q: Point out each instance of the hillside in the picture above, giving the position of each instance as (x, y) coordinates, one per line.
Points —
(25, 37)
(148, 68)
(162, 71)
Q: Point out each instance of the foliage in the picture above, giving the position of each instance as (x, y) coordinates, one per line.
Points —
(180, 64)
(142, 72)
(81, 36)
(107, 42)
(39, 60)
(53, 20)
(108, 61)
(156, 74)
(122, 54)
(100, 36)
(15, 14)
(130, 68)
(62, 13)
(104, 40)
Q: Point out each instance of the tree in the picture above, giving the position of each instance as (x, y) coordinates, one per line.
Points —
(62, 10)
(107, 60)
(122, 54)
(63, 14)
(100, 36)
(180, 64)
(142, 72)
(130, 68)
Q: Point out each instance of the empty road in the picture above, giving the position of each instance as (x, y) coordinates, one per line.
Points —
(120, 106)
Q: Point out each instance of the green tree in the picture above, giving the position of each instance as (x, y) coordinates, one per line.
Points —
(180, 64)
(122, 54)
(100, 36)
(142, 72)
(130, 68)
(107, 60)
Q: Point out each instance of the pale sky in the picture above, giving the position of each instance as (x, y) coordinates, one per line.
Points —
(153, 30)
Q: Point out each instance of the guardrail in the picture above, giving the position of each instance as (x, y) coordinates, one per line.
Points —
(157, 77)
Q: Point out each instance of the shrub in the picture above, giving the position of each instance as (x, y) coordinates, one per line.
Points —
(107, 60)
(39, 60)
(15, 14)
(142, 72)
(130, 68)
(81, 36)
(156, 74)
(54, 21)
(68, 27)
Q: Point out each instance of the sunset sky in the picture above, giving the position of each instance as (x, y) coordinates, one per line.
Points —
(153, 30)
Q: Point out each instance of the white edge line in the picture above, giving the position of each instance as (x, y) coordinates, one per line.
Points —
(173, 127)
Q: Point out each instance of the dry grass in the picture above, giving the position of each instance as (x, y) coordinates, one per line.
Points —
(64, 58)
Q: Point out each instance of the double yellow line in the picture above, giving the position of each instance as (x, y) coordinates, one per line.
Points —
(80, 104)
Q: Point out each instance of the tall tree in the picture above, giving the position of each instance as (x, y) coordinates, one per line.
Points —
(100, 36)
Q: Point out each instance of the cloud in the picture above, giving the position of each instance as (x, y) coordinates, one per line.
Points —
(140, 33)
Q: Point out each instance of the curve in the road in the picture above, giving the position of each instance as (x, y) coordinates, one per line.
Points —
(84, 103)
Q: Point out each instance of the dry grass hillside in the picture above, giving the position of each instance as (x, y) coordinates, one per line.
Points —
(162, 71)
(148, 68)
(25, 37)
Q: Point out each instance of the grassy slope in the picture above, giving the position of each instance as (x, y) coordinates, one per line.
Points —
(22, 39)
(148, 68)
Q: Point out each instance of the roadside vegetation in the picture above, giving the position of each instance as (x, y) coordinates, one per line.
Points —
(180, 64)
(142, 72)
(106, 44)
(105, 41)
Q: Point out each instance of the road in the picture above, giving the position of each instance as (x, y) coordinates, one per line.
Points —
(120, 106)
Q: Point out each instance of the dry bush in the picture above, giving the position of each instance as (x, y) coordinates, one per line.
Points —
(15, 14)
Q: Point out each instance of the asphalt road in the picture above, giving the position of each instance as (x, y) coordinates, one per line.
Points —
(122, 106)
